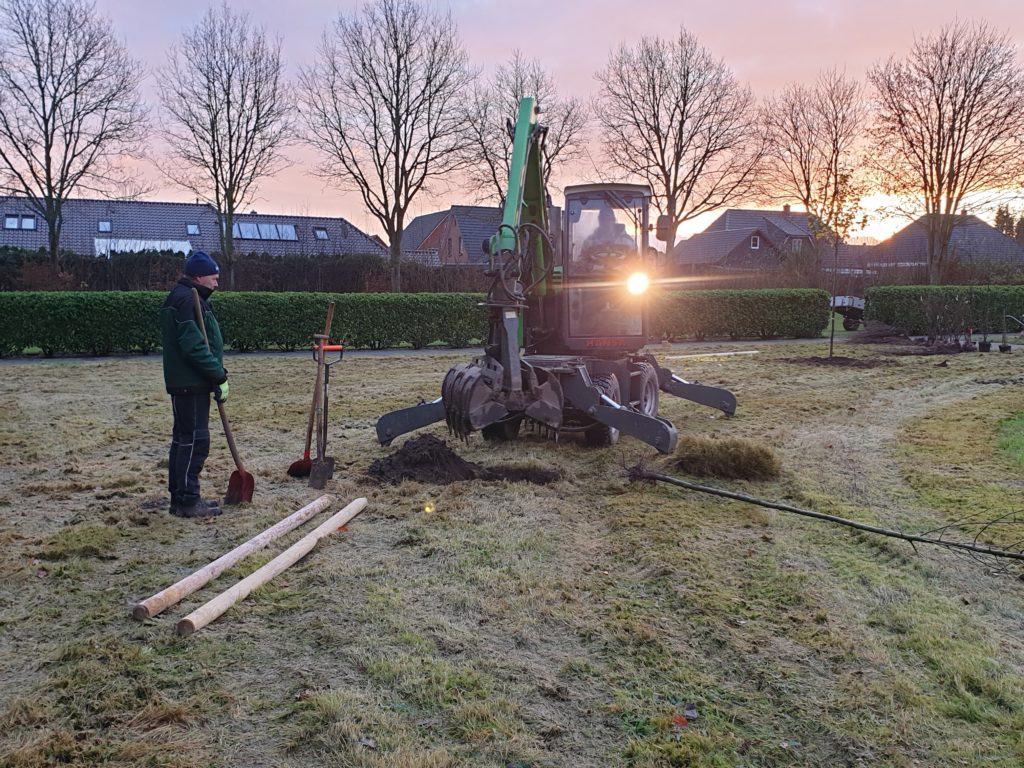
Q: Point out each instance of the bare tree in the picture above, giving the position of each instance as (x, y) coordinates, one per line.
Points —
(227, 115)
(676, 117)
(949, 127)
(813, 135)
(493, 104)
(70, 110)
(381, 104)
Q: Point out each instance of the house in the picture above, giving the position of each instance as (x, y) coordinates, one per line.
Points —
(744, 240)
(452, 237)
(101, 227)
(973, 241)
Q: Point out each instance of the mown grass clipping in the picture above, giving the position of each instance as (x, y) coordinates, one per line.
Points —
(726, 458)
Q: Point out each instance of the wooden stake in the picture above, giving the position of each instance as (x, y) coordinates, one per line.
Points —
(203, 615)
(150, 607)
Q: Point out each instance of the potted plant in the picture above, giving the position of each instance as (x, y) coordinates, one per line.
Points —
(984, 345)
(1004, 346)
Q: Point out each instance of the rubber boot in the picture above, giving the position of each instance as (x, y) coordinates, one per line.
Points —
(200, 508)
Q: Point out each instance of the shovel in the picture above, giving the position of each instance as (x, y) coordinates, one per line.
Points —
(323, 467)
(302, 467)
(241, 484)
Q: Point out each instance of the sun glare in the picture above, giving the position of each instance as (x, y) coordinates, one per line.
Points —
(637, 283)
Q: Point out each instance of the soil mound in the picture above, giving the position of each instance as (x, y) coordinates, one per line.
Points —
(426, 459)
(874, 332)
(838, 361)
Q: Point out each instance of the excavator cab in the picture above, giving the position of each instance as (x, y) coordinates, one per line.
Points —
(604, 247)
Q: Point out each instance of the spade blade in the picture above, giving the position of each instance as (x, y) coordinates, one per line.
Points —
(321, 472)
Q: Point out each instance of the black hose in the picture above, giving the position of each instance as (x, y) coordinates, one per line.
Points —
(636, 473)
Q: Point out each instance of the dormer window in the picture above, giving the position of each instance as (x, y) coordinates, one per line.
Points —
(103, 226)
(796, 245)
(755, 242)
(192, 229)
(320, 233)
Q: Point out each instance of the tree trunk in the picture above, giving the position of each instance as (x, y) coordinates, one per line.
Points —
(227, 245)
(53, 240)
(396, 264)
(670, 243)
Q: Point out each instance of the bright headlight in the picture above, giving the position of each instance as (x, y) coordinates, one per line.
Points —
(637, 283)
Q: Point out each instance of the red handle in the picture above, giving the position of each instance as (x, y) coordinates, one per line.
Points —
(329, 348)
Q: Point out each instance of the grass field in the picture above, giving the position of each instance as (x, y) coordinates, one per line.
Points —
(578, 623)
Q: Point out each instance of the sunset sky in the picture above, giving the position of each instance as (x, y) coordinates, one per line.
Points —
(767, 44)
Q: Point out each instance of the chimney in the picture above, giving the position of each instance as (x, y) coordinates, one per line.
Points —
(785, 208)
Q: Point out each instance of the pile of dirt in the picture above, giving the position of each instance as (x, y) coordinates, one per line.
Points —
(838, 361)
(426, 459)
(874, 332)
(924, 349)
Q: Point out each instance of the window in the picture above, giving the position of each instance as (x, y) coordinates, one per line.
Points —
(755, 242)
(796, 245)
(252, 230)
(192, 229)
(28, 222)
(245, 230)
(320, 233)
(10, 221)
(103, 226)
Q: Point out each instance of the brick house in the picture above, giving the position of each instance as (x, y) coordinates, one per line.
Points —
(745, 240)
(451, 237)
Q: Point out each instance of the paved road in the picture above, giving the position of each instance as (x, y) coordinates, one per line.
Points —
(659, 349)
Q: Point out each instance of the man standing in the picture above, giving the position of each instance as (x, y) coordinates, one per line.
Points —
(192, 370)
(609, 239)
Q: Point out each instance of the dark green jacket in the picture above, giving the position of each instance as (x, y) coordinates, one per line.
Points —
(189, 367)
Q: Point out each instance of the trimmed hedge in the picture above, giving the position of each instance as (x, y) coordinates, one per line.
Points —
(103, 322)
(942, 310)
(768, 313)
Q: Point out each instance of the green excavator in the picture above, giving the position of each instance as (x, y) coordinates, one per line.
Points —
(567, 319)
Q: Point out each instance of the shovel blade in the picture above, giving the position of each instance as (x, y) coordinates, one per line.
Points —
(240, 488)
(322, 471)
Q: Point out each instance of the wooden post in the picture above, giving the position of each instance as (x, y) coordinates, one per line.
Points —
(161, 600)
(206, 613)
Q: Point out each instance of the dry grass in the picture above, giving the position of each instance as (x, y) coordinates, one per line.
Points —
(500, 623)
(729, 458)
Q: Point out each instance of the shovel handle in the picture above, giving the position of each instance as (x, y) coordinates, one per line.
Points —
(231, 438)
(220, 406)
(316, 384)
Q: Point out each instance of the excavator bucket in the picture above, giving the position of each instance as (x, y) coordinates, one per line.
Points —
(471, 395)
(474, 398)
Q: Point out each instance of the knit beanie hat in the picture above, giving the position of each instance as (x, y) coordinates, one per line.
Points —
(200, 264)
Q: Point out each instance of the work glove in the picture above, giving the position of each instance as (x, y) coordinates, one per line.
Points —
(220, 392)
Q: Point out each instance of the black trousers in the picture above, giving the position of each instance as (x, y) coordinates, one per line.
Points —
(190, 445)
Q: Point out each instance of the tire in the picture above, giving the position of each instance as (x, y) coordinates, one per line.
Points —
(647, 390)
(601, 434)
(502, 431)
(850, 324)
